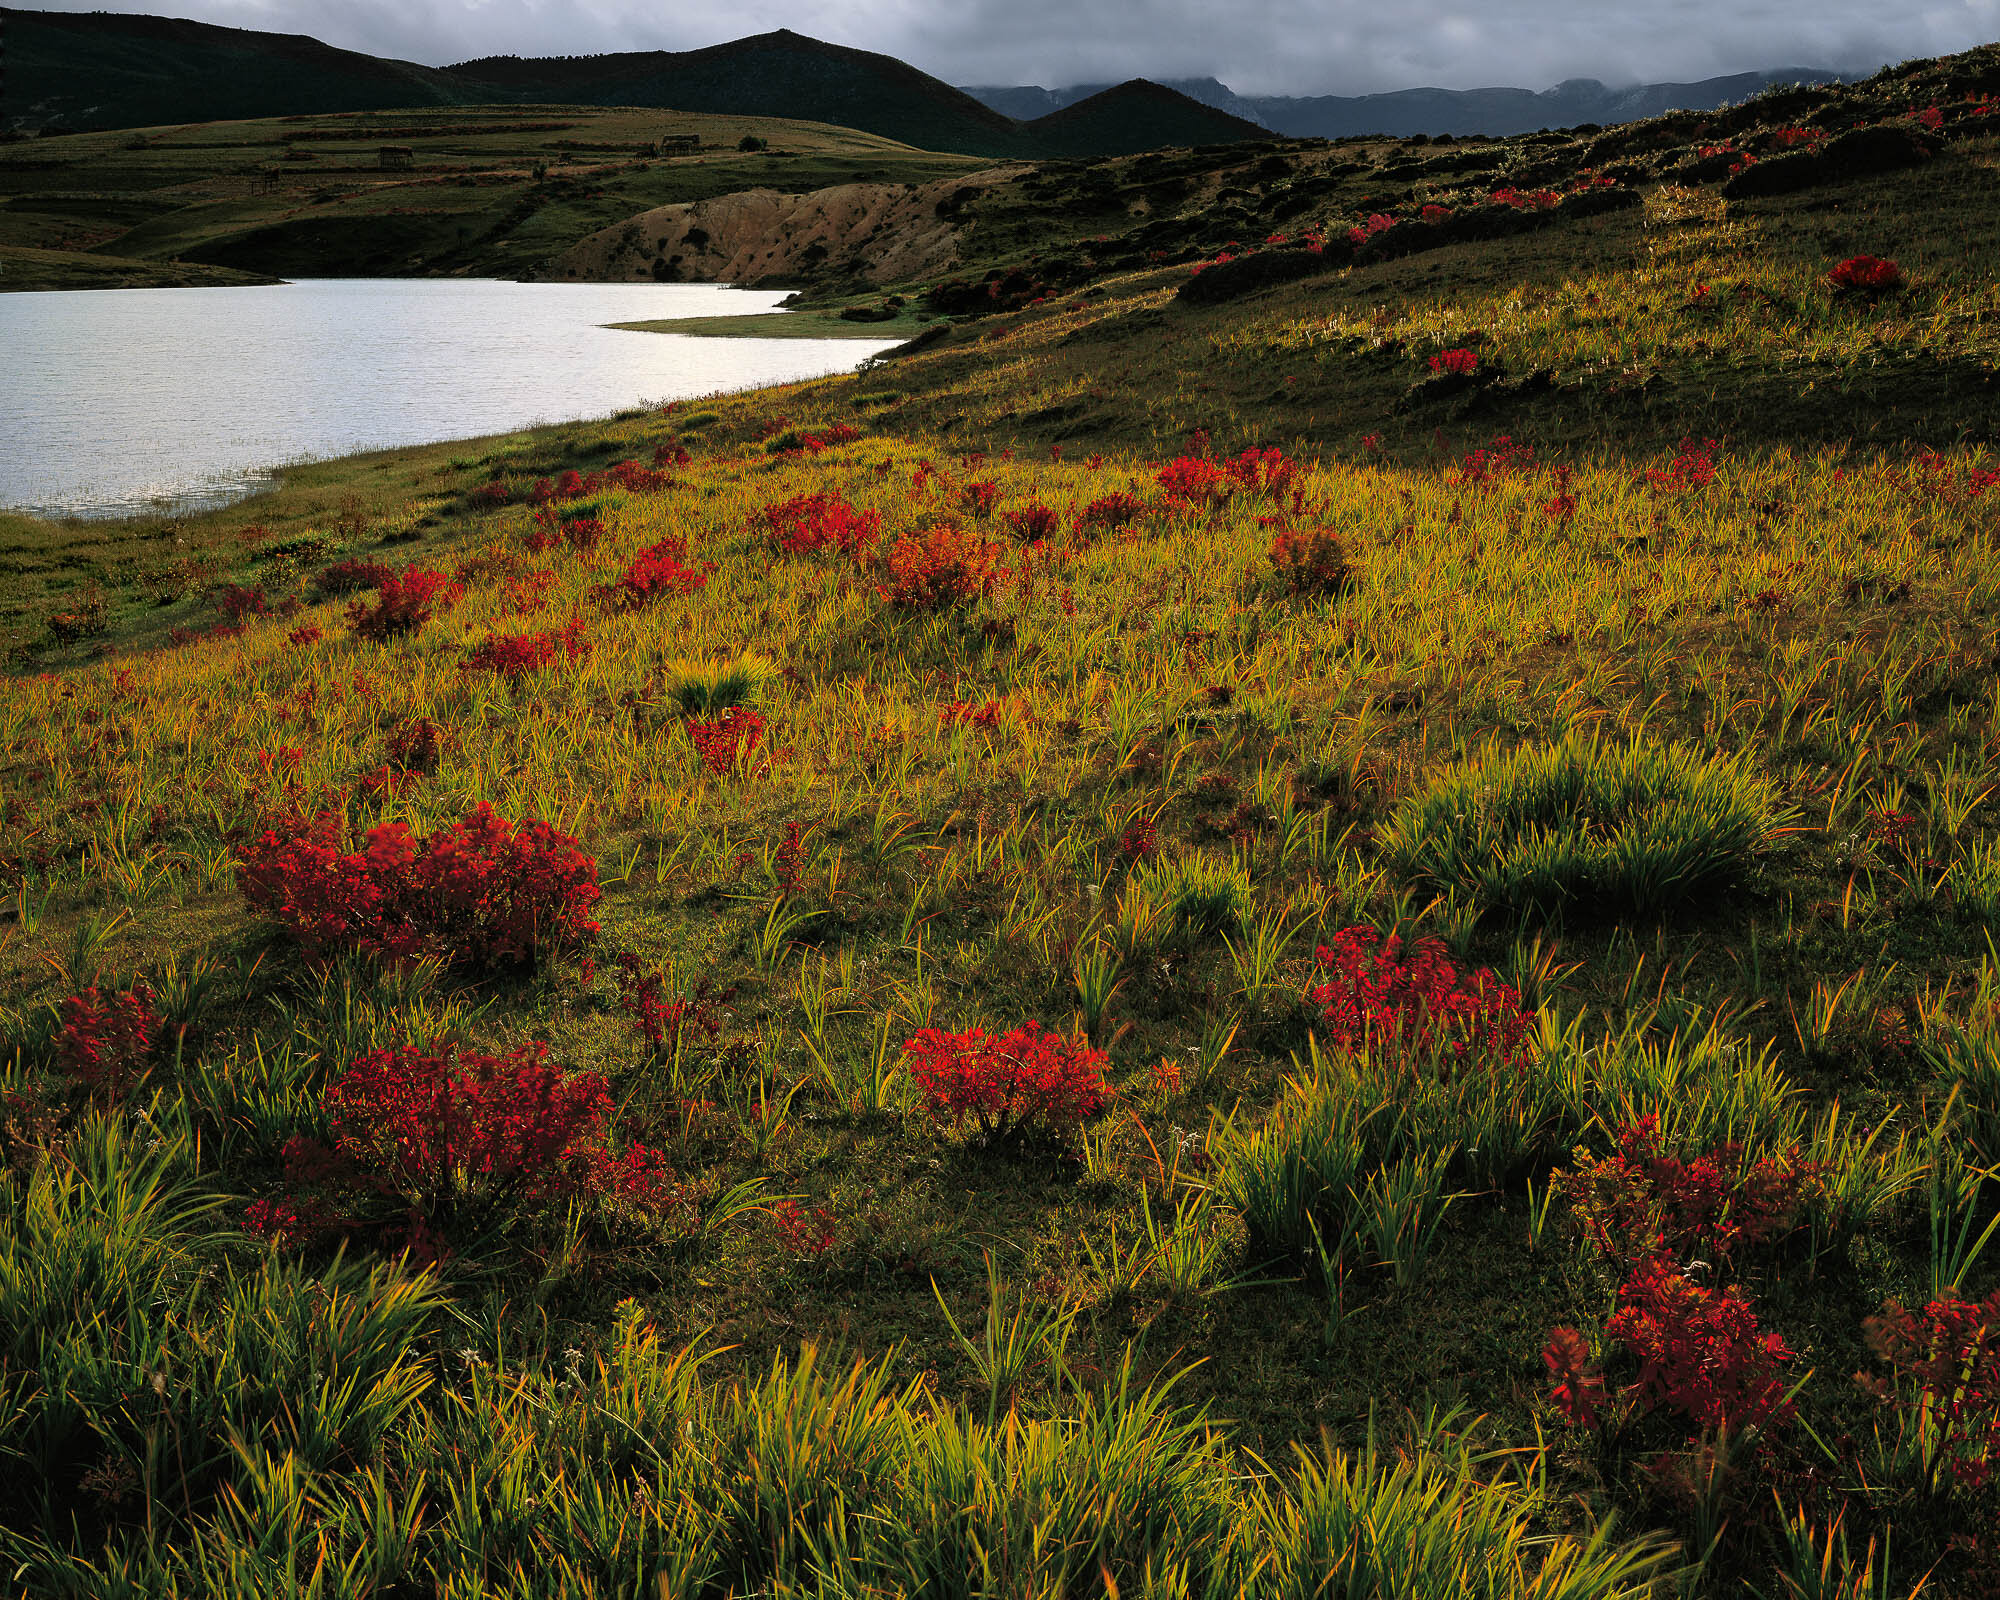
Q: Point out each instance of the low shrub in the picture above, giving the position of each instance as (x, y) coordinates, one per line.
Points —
(656, 571)
(809, 523)
(1310, 561)
(1584, 827)
(484, 892)
(1866, 275)
(351, 576)
(1943, 1383)
(404, 603)
(1416, 1003)
(727, 740)
(939, 568)
(1640, 1201)
(514, 655)
(106, 1040)
(1013, 1084)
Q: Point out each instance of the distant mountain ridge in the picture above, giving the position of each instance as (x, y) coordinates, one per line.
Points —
(1403, 112)
(86, 70)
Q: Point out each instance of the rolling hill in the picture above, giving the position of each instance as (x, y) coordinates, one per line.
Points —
(98, 71)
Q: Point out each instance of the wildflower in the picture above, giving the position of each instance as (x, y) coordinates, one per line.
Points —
(1011, 1083)
(1866, 275)
(1461, 362)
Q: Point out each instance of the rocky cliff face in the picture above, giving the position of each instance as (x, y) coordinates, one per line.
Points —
(863, 232)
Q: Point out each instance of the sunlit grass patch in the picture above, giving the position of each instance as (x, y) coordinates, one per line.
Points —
(1587, 827)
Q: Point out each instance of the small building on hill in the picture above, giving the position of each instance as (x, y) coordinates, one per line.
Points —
(679, 144)
(394, 157)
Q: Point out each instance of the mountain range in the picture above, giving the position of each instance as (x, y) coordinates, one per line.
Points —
(70, 71)
(1404, 112)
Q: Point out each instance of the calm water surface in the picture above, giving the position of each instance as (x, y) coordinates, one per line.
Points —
(115, 402)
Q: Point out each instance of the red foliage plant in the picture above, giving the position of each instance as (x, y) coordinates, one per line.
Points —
(1011, 1084)
(941, 567)
(810, 1234)
(435, 1122)
(1866, 275)
(1700, 1350)
(1033, 522)
(1639, 1201)
(236, 602)
(658, 570)
(726, 740)
(582, 534)
(1112, 511)
(352, 576)
(1310, 561)
(1692, 469)
(809, 523)
(984, 714)
(105, 1040)
(1462, 362)
(485, 891)
(1417, 1006)
(1945, 1371)
(1191, 480)
(514, 655)
(404, 602)
(415, 744)
(666, 1024)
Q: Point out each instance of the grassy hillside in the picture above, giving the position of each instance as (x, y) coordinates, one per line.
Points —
(99, 70)
(492, 191)
(1503, 857)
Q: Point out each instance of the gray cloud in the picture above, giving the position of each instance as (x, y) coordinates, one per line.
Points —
(1255, 46)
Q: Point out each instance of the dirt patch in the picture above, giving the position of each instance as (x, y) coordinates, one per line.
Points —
(870, 232)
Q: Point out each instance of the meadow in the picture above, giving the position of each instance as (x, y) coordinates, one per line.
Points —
(1161, 948)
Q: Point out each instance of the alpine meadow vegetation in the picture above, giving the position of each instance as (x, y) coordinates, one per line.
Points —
(1179, 945)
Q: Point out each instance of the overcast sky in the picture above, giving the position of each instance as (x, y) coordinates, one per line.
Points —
(1254, 46)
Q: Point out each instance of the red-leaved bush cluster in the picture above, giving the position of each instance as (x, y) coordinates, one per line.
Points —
(1639, 1201)
(809, 523)
(452, 1132)
(404, 602)
(1011, 1084)
(1417, 1005)
(1463, 363)
(940, 567)
(1944, 1361)
(573, 485)
(1310, 561)
(105, 1040)
(1033, 522)
(547, 530)
(726, 740)
(415, 744)
(1700, 1351)
(514, 655)
(656, 571)
(666, 1022)
(484, 891)
(1117, 510)
(351, 576)
(1866, 275)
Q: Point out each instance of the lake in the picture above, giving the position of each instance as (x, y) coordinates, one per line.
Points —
(116, 402)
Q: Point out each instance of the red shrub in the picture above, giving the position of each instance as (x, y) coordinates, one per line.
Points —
(1032, 522)
(809, 523)
(1310, 561)
(810, 1234)
(1141, 839)
(436, 1123)
(1700, 1352)
(665, 1024)
(237, 602)
(484, 891)
(1462, 362)
(659, 569)
(636, 479)
(1420, 1006)
(1640, 1201)
(1501, 458)
(941, 567)
(490, 496)
(1013, 1083)
(514, 655)
(1579, 1393)
(1268, 470)
(550, 530)
(415, 744)
(1111, 511)
(404, 602)
(978, 499)
(351, 576)
(726, 740)
(105, 1040)
(1692, 469)
(1195, 481)
(1866, 275)
(1945, 1362)
(304, 634)
(986, 714)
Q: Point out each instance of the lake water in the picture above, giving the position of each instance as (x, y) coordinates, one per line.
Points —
(115, 402)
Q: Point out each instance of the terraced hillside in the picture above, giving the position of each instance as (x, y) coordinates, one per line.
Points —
(1317, 926)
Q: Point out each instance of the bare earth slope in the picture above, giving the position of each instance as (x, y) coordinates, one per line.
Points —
(880, 232)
